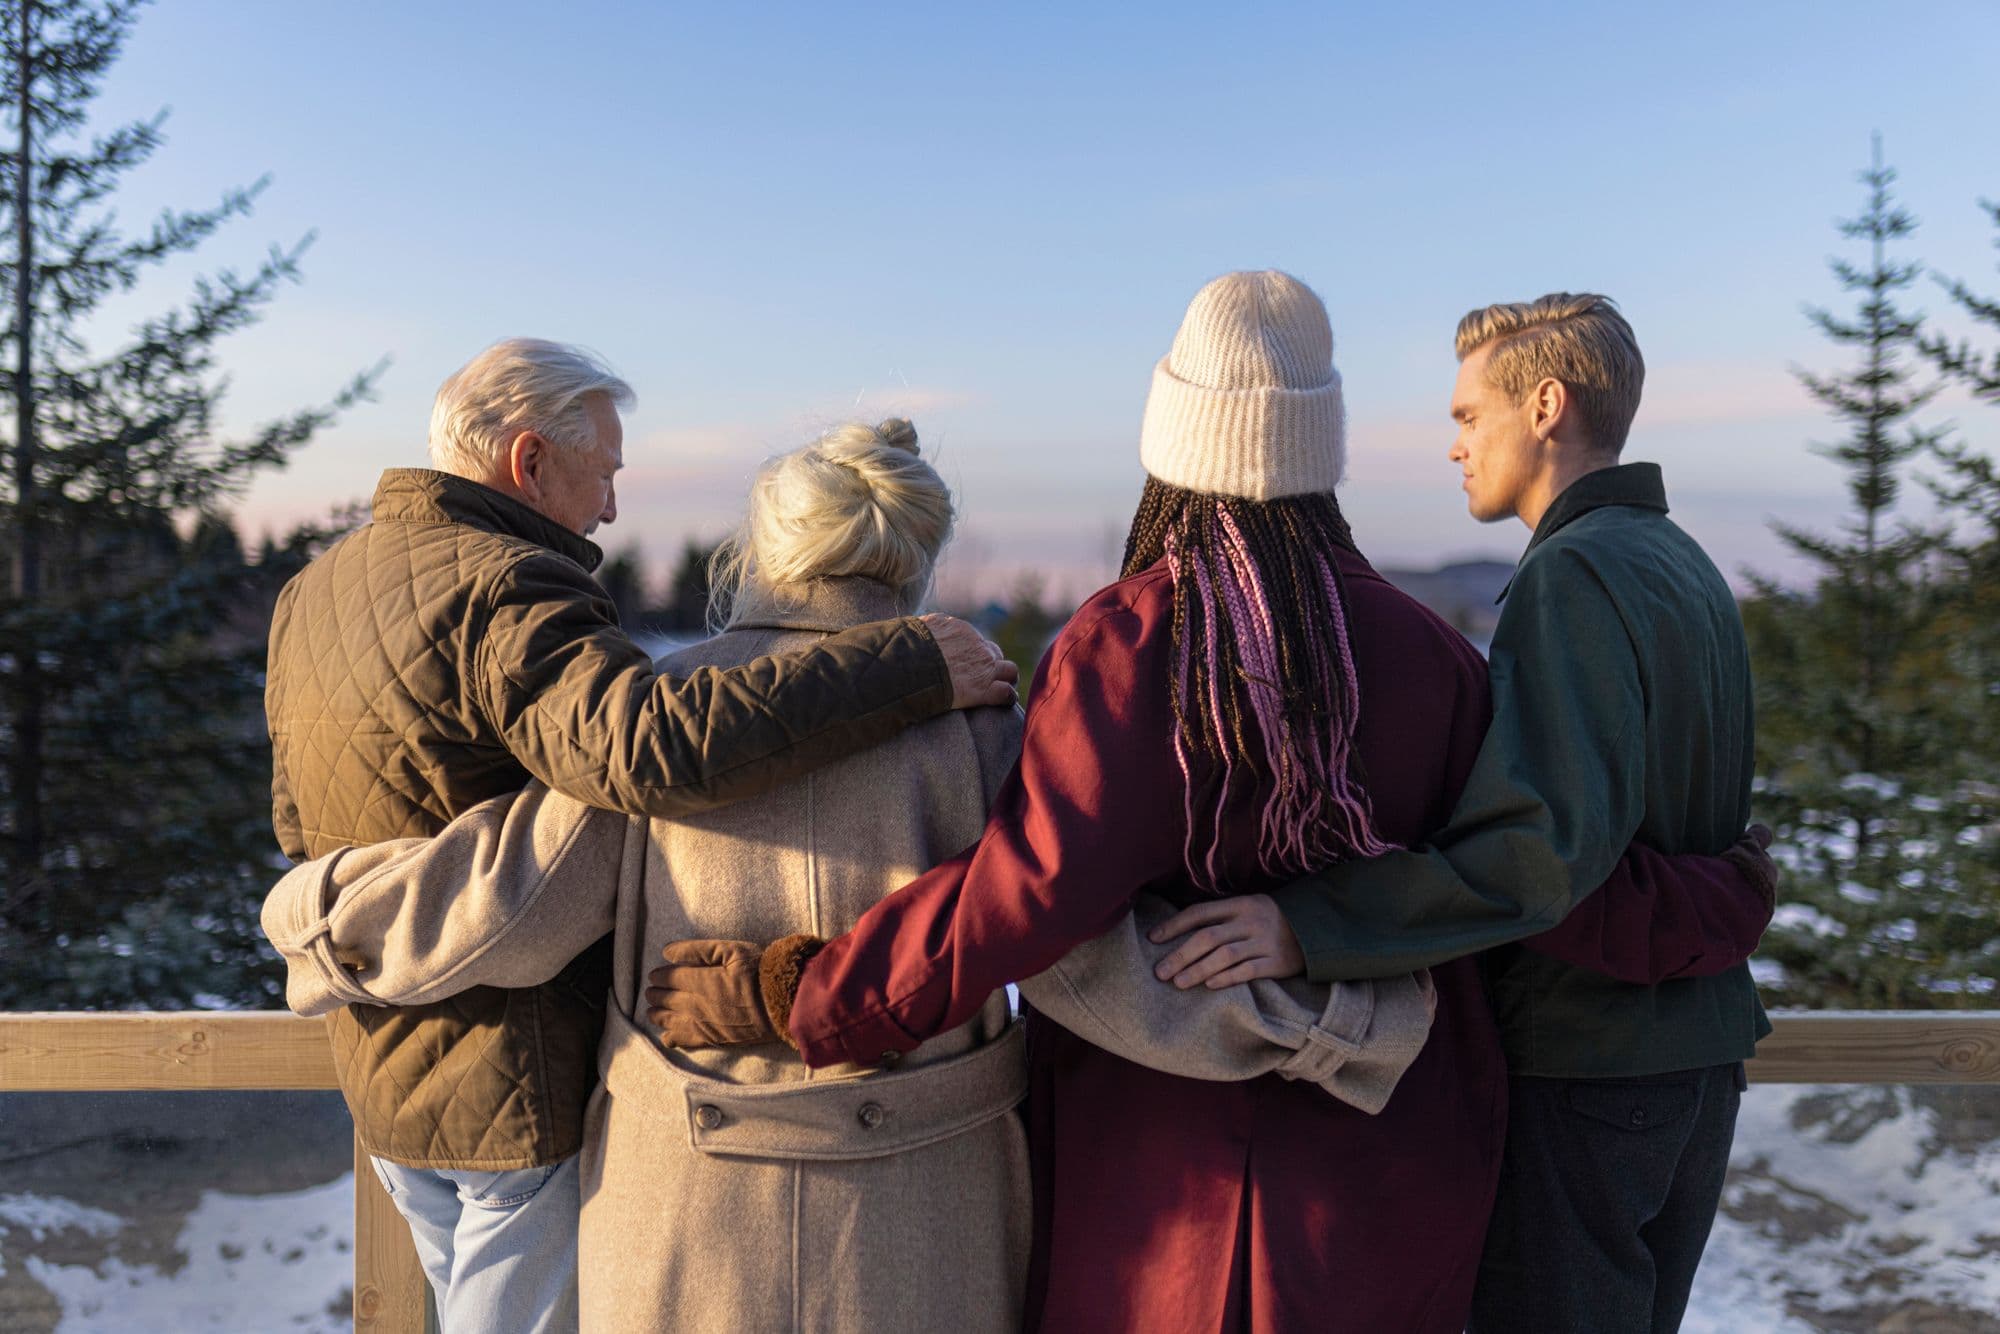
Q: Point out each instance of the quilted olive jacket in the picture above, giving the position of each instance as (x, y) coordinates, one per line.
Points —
(453, 649)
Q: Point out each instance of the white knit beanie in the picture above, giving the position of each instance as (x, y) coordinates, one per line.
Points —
(1248, 402)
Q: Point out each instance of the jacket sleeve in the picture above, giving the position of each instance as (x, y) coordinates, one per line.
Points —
(285, 815)
(1353, 1039)
(1556, 791)
(506, 895)
(581, 707)
(1086, 819)
(285, 822)
(1661, 917)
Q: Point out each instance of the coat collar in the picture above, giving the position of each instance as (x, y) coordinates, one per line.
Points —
(423, 495)
(831, 605)
(1636, 484)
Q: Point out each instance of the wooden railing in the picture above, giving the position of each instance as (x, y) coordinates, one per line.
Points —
(242, 1050)
(245, 1051)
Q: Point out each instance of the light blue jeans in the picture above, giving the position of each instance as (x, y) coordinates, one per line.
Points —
(499, 1248)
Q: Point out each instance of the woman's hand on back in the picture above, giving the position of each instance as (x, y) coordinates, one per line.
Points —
(727, 993)
(707, 994)
(1228, 940)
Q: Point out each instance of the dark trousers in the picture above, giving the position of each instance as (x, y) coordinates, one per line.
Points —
(1607, 1192)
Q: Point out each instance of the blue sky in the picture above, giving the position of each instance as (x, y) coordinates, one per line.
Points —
(773, 217)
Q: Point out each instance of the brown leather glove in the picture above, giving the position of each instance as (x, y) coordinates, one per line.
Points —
(726, 993)
(1748, 854)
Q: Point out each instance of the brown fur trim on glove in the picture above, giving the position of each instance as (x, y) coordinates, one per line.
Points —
(778, 974)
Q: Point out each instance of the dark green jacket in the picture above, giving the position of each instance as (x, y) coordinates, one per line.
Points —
(1621, 710)
(446, 653)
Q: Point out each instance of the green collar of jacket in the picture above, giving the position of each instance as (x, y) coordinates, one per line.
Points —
(423, 495)
(1637, 484)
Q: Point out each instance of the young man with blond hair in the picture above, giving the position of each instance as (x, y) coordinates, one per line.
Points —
(1621, 711)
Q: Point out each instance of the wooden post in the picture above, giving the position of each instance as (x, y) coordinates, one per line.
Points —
(391, 1295)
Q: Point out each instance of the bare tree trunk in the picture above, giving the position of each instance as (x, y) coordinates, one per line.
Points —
(25, 783)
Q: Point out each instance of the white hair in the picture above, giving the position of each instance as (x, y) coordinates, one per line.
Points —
(857, 502)
(518, 384)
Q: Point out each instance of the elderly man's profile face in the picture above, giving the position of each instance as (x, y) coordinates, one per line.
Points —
(577, 484)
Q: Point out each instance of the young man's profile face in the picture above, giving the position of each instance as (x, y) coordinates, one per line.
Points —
(1496, 448)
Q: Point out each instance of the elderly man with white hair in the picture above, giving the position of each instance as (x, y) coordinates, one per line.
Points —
(451, 650)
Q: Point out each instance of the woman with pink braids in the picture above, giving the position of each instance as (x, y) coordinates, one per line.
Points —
(1251, 699)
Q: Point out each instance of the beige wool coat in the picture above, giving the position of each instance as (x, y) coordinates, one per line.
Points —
(737, 1189)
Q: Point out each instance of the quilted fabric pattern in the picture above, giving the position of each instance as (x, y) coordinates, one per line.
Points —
(447, 652)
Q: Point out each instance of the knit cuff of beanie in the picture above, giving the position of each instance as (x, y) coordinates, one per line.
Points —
(1257, 443)
(778, 974)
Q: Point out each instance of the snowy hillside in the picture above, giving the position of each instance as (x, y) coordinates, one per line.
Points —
(1848, 1209)
(263, 1263)
(1858, 1209)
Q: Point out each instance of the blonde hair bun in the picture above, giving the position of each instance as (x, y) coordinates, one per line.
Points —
(859, 502)
(898, 433)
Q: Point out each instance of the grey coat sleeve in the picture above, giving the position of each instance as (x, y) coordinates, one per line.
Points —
(1353, 1039)
(506, 896)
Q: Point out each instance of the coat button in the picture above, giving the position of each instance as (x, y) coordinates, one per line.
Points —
(1638, 1116)
(708, 1116)
(870, 1115)
(891, 1057)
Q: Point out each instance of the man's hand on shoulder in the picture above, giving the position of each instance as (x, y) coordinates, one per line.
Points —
(980, 676)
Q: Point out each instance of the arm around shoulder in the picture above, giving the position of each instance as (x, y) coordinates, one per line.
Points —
(582, 708)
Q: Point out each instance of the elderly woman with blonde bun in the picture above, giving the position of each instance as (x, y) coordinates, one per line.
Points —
(734, 1188)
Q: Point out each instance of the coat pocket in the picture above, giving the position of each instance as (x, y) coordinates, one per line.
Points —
(499, 1190)
(1635, 1106)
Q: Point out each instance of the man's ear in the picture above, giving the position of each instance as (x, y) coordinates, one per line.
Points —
(1549, 401)
(525, 458)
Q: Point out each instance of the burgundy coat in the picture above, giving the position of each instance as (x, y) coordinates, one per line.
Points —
(1167, 1204)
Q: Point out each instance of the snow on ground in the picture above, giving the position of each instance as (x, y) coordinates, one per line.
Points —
(1847, 1209)
(255, 1264)
(1845, 1205)
(40, 1218)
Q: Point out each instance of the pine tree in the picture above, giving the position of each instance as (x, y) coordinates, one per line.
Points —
(1860, 729)
(623, 578)
(1979, 372)
(687, 607)
(134, 819)
(1968, 493)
